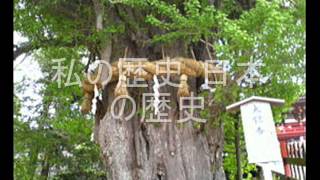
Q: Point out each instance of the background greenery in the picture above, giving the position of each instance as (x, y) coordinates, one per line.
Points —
(60, 144)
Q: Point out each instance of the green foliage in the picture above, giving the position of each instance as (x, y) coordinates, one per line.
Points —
(61, 138)
(275, 37)
(270, 32)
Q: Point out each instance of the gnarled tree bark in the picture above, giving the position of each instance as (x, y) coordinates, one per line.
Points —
(137, 150)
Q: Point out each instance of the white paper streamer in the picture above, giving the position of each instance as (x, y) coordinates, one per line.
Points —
(156, 94)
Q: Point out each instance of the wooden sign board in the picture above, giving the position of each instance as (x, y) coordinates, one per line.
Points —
(262, 144)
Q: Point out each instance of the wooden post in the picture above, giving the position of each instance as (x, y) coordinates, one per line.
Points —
(237, 146)
(284, 154)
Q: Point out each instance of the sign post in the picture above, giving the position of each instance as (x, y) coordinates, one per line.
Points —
(262, 144)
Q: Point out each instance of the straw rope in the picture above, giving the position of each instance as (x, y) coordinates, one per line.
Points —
(121, 71)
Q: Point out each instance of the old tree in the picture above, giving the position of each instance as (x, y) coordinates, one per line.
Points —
(271, 32)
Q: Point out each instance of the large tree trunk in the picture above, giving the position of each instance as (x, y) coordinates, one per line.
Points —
(143, 151)
(138, 150)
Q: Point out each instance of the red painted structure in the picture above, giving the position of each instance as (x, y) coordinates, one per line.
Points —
(293, 129)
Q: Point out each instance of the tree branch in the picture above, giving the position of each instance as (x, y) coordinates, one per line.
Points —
(23, 48)
(98, 8)
(27, 47)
